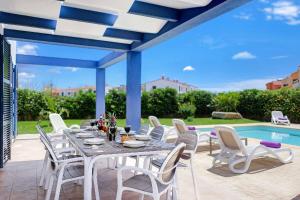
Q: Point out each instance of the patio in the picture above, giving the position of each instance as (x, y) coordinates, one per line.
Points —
(19, 179)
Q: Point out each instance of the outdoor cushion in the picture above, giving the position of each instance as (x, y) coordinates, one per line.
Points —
(191, 128)
(271, 144)
(282, 118)
(213, 133)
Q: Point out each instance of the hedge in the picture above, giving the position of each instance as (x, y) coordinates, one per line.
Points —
(252, 104)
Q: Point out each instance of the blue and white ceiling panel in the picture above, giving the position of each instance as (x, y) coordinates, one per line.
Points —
(48, 9)
(122, 24)
(179, 4)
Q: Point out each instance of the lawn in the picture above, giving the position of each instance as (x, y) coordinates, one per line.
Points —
(28, 127)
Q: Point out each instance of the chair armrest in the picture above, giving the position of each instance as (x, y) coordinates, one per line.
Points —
(74, 126)
(71, 160)
(65, 150)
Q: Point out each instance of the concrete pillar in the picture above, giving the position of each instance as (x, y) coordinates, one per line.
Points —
(133, 90)
(100, 92)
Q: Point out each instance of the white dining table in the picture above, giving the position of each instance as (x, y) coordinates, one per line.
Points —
(108, 150)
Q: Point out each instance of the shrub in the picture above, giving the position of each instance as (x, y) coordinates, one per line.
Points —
(186, 110)
(163, 102)
(226, 102)
(115, 102)
(145, 104)
(30, 104)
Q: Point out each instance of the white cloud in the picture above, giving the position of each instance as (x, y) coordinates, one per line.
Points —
(283, 10)
(72, 69)
(245, 55)
(278, 57)
(27, 49)
(243, 16)
(188, 68)
(241, 85)
(26, 75)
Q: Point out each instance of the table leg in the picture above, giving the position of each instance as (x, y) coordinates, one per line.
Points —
(87, 178)
(210, 146)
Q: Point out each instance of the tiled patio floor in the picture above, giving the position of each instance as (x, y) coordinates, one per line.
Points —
(267, 179)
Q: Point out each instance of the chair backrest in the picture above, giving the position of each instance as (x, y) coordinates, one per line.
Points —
(190, 139)
(277, 114)
(144, 129)
(229, 139)
(157, 133)
(179, 126)
(47, 143)
(168, 168)
(154, 121)
(57, 123)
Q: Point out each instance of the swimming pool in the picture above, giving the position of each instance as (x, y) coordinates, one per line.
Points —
(277, 134)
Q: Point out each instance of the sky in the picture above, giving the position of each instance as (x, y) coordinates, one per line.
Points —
(244, 48)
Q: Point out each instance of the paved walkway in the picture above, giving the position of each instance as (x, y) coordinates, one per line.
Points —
(267, 179)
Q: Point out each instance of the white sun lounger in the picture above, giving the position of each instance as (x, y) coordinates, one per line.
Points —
(279, 118)
(59, 125)
(233, 151)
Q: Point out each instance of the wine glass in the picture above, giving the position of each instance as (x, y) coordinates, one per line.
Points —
(127, 129)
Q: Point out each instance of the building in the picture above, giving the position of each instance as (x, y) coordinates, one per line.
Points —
(291, 81)
(165, 82)
(74, 91)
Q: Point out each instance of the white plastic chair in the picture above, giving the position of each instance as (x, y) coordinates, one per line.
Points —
(61, 163)
(154, 122)
(181, 128)
(190, 139)
(59, 125)
(59, 147)
(234, 152)
(148, 182)
(279, 118)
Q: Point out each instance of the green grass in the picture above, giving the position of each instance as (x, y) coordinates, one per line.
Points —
(28, 127)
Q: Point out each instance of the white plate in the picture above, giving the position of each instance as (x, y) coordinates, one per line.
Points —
(85, 135)
(94, 141)
(134, 144)
(130, 133)
(142, 137)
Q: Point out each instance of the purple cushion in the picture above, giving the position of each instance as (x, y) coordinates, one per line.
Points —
(271, 144)
(213, 133)
(191, 128)
(282, 118)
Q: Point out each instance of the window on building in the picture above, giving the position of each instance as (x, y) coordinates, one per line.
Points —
(62, 94)
(153, 87)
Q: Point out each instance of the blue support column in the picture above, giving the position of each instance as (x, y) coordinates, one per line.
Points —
(100, 92)
(133, 90)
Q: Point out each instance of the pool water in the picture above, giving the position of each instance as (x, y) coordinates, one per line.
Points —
(276, 134)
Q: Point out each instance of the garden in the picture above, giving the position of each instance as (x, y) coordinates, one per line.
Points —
(194, 107)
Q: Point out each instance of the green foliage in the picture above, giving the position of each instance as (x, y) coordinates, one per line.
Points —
(30, 104)
(163, 102)
(201, 99)
(186, 110)
(252, 104)
(226, 102)
(115, 102)
(145, 104)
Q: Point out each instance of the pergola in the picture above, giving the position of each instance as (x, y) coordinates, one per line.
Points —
(124, 27)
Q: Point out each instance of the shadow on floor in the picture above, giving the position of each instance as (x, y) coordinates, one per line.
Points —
(257, 166)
